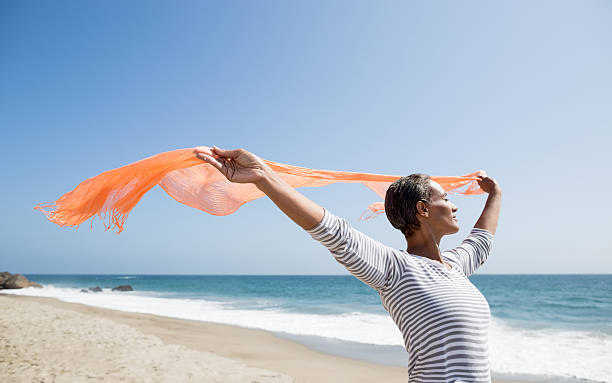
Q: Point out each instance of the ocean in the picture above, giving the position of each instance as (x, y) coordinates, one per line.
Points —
(545, 328)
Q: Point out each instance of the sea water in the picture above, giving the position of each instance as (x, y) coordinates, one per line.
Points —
(545, 328)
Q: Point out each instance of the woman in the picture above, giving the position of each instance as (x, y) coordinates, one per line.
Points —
(443, 318)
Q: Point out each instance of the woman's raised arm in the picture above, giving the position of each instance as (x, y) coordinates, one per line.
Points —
(242, 166)
(369, 260)
(490, 213)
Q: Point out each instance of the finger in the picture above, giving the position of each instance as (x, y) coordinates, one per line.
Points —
(210, 160)
(203, 149)
(227, 153)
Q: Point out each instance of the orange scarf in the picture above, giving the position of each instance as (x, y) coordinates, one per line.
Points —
(114, 193)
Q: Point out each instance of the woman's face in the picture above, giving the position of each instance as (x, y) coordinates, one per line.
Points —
(442, 213)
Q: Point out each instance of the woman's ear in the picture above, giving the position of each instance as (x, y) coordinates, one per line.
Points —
(422, 209)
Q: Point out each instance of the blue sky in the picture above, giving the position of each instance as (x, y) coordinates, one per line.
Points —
(522, 90)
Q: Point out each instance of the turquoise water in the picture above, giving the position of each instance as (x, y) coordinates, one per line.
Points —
(579, 302)
(544, 327)
(532, 301)
(305, 294)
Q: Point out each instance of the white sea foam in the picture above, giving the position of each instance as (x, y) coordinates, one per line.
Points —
(356, 327)
(548, 352)
(552, 352)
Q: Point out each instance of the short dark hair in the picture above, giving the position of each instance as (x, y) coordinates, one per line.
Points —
(401, 199)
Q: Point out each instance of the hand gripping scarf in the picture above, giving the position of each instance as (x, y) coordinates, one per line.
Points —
(114, 193)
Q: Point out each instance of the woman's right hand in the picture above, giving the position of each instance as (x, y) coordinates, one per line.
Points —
(237, 165)
(244, 167)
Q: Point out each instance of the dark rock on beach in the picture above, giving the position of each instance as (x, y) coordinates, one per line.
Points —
(84, 291)
(96, 289)
(123, 288)
(15, 281)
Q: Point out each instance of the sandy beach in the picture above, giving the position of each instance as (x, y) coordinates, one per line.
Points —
(47, 340)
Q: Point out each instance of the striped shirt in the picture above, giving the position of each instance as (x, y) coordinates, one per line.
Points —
(442, 316)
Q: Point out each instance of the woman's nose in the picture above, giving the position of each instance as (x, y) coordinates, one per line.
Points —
(455, 209)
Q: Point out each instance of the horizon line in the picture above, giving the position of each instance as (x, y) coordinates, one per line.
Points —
(287, 275)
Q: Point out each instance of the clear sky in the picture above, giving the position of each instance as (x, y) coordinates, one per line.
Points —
(521, 89)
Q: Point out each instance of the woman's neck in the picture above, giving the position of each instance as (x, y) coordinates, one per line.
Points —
(425, 244)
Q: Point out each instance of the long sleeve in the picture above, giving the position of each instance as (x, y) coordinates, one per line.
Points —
(370, 261)
(473, 251)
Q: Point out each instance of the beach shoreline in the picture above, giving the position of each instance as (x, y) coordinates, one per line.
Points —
(259, 350)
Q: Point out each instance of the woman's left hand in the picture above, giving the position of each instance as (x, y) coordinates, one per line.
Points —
(488, 184)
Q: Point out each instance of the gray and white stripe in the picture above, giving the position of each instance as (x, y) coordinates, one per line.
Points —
(442, 316)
